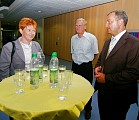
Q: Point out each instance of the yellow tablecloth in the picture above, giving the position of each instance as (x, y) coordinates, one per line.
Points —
(43, 103)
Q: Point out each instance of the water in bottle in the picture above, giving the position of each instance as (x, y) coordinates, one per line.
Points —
(34, 72)
(53, 66)
(40, 65)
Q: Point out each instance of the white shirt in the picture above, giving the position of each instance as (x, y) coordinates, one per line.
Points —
(114, 40)
(27, 52)
(84, 48)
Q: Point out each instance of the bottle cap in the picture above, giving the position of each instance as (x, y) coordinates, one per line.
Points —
(34, 55)
(54, 54)
(39, 53)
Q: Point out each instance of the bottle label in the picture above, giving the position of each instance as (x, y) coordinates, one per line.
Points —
(34, 76)
(40, 71)
(53, 76)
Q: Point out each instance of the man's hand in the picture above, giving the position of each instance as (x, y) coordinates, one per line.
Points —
(100, 77)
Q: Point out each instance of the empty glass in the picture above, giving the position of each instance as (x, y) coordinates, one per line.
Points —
(19, 80)
(27, 70)
(69, 74)
(63, 86)
(45, 70)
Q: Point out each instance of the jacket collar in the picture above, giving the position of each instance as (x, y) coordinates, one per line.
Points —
(119, 44)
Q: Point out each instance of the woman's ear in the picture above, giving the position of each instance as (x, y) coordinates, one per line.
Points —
(20, 30)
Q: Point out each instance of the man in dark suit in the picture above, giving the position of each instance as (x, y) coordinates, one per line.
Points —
(117, 69)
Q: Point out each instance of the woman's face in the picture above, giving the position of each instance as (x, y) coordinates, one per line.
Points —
(28, 33)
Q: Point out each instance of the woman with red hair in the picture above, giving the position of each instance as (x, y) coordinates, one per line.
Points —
(24, 47)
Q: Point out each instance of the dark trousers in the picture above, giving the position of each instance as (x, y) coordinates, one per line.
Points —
(112, 107)
(86, 71)
(138, 115)
(10, 118)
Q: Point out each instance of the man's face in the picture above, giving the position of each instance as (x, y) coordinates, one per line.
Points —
(80, 27)
(112, 24)
(28, 33)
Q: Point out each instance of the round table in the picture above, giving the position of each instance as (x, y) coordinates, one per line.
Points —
(43, 103)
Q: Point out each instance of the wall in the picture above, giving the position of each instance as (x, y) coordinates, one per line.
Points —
(59, 29)
(0, 37)
(39, 37)
(13, 33)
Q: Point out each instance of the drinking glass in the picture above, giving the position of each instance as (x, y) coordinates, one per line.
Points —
(62, 86)
(19, 80)
(62, 68)
(27, 70)
(45, 70)
(69, 74)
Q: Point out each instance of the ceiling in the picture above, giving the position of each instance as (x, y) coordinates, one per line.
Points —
(38, 9)
(6, 2)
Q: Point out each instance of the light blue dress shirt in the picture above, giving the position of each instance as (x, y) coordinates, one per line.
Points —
(84, 48)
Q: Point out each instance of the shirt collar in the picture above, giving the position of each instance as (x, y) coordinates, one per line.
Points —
(84, 35)
(25, 45)
(117, 37)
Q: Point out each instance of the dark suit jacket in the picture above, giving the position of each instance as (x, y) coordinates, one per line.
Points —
(18, 61)
(121, 68)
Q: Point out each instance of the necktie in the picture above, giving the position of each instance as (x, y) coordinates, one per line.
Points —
(111, 46)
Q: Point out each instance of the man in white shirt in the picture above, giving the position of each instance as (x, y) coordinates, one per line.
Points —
(84, 47)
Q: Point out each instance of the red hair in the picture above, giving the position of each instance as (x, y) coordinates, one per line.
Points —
(24, 22)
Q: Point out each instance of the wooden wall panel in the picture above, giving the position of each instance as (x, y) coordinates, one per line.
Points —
(59, 29)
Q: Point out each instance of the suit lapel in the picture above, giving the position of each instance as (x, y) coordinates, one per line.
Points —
(119, 44)
(106, 47)
(34, 48)
(19, 50)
